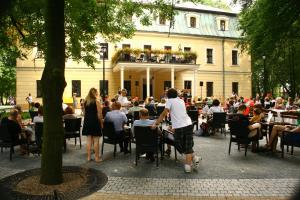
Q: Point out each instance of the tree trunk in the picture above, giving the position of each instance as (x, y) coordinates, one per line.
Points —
(53, 84)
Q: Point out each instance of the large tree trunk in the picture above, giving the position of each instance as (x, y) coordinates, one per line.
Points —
(53, 84)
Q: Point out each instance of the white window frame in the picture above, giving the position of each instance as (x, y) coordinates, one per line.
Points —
(157, 21)
(213, 56)
(188, 20)
(222, 18)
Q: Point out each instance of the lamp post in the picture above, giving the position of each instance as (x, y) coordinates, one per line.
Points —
(103, 53)
(265, 75)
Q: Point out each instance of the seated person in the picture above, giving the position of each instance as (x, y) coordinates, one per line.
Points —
(69, 113)
(144, 121)
(279, 103)
(39, 117)
(215, 107)
(277, 131)
(14, 130)
(252, 127)
(106, 108)
(135, 107)
(231, 108)
(119, 119)
(162, 103)
(151, 107)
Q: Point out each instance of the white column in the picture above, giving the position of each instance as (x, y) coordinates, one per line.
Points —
(122, 77)
(194, 85)
(148, 82)
(172, 77)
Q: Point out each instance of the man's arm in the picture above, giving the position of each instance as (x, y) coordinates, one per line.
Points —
(161, 117)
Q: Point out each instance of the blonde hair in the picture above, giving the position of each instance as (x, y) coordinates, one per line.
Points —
(91, 97)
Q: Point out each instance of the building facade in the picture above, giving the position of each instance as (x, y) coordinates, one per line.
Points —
(198, 53)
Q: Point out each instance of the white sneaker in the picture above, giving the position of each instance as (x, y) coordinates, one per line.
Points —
(187, 168)
(196, 161)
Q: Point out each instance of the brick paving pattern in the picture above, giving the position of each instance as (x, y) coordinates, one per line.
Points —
(263, 176)
(202, 187)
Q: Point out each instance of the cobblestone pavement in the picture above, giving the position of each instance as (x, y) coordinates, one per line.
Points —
(202, 187)
(219, 176)
(111, 196)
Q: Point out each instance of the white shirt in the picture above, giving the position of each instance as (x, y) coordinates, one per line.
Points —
(214, 109)
(38, 119)
(179, 116)
(29, 99)
(123, 101)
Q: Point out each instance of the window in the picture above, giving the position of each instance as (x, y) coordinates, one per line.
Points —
(38, 88)
(193, 22)
(147, 47)
(167, 85)
(209, 56)
(127, 86)
(76, 88)
(106, 52)
(209, 89)
(162, 19)
(168, 48)
(187, 49)
(222, 25)
(235, 87)
(101, 87)
(234, 57)
(187, 85)
(39, 53)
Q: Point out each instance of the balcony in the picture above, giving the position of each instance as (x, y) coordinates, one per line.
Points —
(154, 56)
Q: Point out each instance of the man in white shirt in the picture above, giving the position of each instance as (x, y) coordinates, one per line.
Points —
(122, 99)
(183, 128)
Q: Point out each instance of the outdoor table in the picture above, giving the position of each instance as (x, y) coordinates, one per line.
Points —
(6, 108)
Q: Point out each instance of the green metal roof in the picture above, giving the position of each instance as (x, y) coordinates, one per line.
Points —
(207, 24)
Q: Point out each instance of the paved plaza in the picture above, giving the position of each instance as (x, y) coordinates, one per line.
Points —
(219, 176)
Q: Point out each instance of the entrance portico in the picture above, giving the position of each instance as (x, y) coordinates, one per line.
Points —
(156, 74)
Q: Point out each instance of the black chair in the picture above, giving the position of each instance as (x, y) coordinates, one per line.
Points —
(159, 110)
(194, 115)
(33, 114)
(110, 137)
(72, 130)
(166, 140)
(152, 111)
(7, 140)
(289, 139)
(238, 132)
(147, 140)
(219, 121)
(136, 115)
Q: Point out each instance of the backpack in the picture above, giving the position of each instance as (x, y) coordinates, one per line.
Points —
(204, 128)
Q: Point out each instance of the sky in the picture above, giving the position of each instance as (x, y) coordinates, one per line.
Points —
(235, 8)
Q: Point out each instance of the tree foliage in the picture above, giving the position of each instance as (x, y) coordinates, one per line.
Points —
(272, 29)
(30, 23)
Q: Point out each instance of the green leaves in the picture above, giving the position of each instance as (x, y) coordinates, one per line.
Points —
(271, 29)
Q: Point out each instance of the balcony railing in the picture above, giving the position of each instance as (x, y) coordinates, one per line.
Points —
(153, 56)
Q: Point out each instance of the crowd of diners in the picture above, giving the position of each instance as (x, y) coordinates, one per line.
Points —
(174, 104)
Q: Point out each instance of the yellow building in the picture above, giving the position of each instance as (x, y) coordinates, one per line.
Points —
(158, 57)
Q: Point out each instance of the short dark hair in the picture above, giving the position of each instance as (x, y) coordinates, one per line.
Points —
(242, 107)
(106, 103)
(216, 102)
(136, 103)
(172, 93)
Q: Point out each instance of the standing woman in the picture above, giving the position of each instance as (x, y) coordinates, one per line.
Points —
(93, 121)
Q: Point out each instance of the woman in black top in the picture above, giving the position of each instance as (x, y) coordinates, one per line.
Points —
(93, 121)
